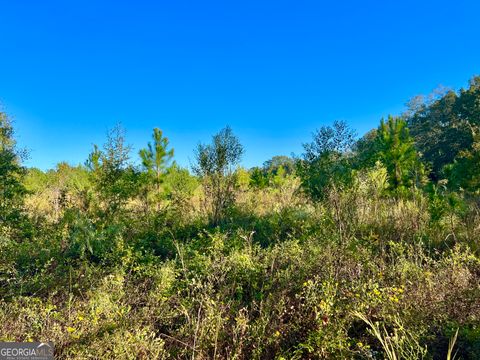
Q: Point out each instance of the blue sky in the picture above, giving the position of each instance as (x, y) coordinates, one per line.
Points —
(273, 70)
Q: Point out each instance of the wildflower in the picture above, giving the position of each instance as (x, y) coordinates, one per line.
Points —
(394, 298)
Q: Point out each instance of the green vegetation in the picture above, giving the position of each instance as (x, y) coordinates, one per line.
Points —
(359, 249)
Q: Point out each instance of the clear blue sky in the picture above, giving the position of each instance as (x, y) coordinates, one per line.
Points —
(273, 70)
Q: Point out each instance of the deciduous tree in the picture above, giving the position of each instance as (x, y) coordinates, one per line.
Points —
(326, 159)
(215, 164)
(12, 190)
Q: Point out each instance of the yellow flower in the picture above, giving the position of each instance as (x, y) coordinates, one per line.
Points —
(70, 329)
(277, 333)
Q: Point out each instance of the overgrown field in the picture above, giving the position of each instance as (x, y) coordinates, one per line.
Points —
(358, 249)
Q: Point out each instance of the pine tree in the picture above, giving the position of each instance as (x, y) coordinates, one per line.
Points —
(155, 160)
(396, 151)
